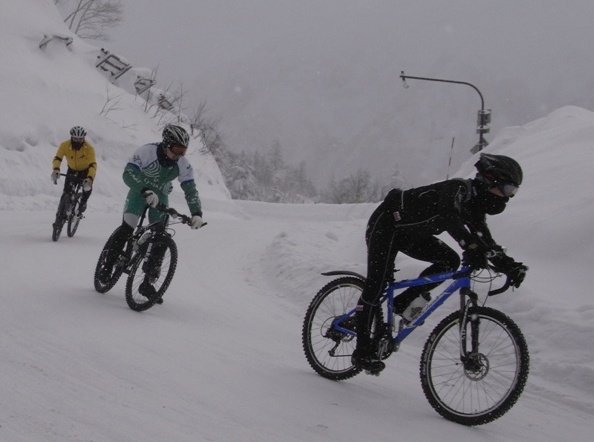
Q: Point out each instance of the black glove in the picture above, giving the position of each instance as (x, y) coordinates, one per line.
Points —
(516, 271)
(517, 274)
(475, 257)
(502, 262)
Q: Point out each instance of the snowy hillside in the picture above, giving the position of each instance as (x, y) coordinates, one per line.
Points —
(47, 91)
(221, 359)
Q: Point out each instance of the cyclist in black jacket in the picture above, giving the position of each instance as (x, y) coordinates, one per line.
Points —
(408, 220)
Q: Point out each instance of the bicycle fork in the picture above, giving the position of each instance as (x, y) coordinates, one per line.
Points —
(470, 358)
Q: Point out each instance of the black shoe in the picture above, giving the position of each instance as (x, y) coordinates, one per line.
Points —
(147, 290)
(82, 207)
(367, 362)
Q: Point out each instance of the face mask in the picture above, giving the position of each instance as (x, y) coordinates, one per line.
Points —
(163, 159)
(494, 204)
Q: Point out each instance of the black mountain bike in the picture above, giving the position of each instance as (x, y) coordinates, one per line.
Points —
(149, 258)
(68, 210)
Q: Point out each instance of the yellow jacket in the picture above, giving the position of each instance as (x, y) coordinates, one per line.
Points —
(78, 160)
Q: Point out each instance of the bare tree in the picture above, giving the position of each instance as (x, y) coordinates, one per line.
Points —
(208, 130)
(356, 188)
(91, 18)
(198, 116)
(111, 103)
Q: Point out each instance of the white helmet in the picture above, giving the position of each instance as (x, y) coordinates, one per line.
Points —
(78, 132)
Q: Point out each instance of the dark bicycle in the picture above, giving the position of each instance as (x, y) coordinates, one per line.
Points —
(68, 209)
(474, 364)
(149, 258)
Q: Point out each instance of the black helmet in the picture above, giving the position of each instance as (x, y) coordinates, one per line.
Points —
(175, 136)
(499, 169)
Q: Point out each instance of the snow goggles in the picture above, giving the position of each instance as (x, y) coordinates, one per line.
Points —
(508, 189)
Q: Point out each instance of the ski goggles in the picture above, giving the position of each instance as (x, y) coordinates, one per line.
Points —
(507, 189)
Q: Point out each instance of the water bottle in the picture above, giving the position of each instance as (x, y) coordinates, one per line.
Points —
(416, 307)
(141, 240)
(144, 237)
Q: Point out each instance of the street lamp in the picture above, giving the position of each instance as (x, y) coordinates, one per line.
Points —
(483, 116)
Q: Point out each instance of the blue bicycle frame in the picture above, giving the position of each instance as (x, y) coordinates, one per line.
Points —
(461, 280)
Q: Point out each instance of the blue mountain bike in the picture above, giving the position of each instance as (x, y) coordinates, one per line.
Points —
(474, 365)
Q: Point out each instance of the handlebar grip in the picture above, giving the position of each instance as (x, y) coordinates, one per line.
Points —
(185, 219)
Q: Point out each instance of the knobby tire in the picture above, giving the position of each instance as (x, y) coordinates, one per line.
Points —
(483, 393)
(73, 217)
(319, 339)
(60, 217)
(104, 278)
(135, 298)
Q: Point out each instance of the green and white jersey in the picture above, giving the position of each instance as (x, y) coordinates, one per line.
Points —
(144, 171)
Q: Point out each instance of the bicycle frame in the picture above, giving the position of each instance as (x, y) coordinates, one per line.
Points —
(461, 281)
(155, 227)
(132, 245)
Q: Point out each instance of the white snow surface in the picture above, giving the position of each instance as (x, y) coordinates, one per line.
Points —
(221, 359)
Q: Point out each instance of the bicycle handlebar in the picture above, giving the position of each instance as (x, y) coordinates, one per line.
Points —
(185, 219)
(506, 285)
(501, 289)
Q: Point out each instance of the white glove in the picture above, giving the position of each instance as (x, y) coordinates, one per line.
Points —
(196, 222)
(151, 198)
(87, 184)
(55, 176)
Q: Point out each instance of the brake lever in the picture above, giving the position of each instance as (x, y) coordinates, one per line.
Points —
(501, 289)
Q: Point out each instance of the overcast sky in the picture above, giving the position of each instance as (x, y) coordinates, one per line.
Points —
(528, 57)
(186, 37)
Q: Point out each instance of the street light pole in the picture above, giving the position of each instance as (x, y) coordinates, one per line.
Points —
(483, 117)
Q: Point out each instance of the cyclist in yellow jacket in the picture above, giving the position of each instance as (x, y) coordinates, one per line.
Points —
(82, 165)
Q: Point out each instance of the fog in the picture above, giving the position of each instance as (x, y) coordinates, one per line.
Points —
(322, 77)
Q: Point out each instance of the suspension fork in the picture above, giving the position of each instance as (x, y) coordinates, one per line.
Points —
(469, 358)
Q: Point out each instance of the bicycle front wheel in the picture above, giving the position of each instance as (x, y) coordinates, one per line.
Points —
(73, 218)
(150, 277)
(484, 388)
(61, 216)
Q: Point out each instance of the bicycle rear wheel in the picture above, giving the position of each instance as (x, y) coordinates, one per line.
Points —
(327, 350)
(74, 218)
(479, 392)
(110, 264)
(149, 279)
(60, 217)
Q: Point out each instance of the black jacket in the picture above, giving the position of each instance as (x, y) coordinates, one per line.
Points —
(456, 206)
